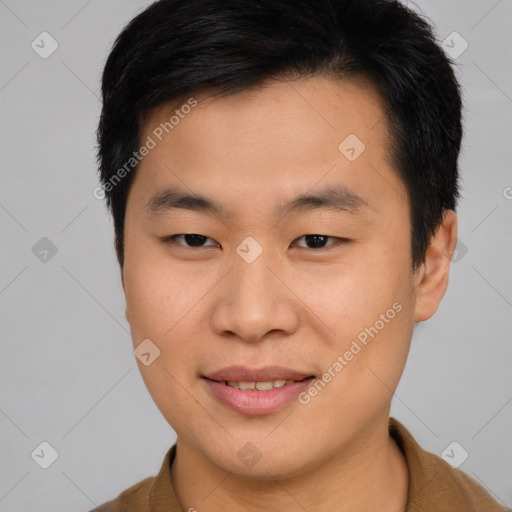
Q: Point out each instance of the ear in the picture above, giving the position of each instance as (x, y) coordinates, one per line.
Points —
(126, 314)
(432, 276)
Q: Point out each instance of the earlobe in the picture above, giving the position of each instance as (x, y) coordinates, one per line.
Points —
(433, 274)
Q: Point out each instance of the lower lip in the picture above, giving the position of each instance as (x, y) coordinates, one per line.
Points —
(254, 402)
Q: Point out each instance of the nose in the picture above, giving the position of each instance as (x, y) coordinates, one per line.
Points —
(254, 299)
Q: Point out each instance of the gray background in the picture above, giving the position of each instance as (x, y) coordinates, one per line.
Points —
(68, 375)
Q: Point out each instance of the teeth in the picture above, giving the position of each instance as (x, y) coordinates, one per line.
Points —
(246, 385)
(260, 386)
(264, 386)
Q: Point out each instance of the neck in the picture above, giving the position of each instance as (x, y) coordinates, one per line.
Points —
(369, 475)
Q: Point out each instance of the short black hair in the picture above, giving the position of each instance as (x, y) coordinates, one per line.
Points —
(176, 48)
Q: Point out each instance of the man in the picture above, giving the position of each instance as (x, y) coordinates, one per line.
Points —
(283, 179)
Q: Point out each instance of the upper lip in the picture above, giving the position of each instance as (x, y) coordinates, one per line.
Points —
(268, 373)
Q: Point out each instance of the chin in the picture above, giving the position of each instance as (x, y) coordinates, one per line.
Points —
(266, 464)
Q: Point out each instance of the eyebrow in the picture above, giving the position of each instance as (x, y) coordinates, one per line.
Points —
(334, 198)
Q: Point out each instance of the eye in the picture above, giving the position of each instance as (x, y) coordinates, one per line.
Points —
(192, 239)
(319, 241)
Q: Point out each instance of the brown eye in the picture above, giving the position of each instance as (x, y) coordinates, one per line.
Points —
(318, 241)
(191, 240)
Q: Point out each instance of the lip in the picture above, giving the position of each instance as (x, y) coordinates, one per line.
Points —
(244, 374)
(252, 402)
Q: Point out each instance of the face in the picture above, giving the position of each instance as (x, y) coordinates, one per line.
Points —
(300, 259)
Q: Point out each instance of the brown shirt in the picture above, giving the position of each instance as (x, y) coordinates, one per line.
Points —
(434, 486)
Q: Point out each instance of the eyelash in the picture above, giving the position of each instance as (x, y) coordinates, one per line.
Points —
(172, 239)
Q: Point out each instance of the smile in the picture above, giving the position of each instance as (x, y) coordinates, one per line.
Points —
(257, 386)
(254, 398)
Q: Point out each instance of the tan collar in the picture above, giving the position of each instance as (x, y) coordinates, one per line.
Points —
(434, 484)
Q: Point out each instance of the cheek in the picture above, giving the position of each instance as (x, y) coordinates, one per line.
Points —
(162, 304)
(351, 295)
(158, 293)
(369, 311)
(363, 364)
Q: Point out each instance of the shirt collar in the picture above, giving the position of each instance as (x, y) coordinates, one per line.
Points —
(432, 482)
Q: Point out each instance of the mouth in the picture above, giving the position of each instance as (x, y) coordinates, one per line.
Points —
(242, 374)
(256, 392)
(259, 385)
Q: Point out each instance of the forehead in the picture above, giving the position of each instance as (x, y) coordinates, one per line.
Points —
(284, 137)
(305, 106)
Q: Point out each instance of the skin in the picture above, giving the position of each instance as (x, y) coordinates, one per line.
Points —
(295, 306)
